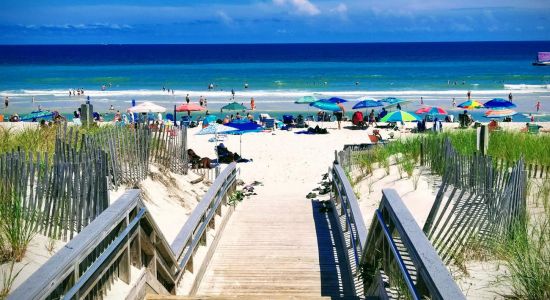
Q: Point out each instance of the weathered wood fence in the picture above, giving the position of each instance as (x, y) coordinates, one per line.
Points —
(478, 200)
(125, 235)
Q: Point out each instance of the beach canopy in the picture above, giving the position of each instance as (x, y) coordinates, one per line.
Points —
(500, 113)
(499, 103)
(306, 100)
(400, 116)
(146, 107)
(335, 100)
(37, 115)
(471, 104)
(326, 105)
(367, 103)
(189, 107)
(214, 128)
(393, 101)
(431, 110)
(234, 106)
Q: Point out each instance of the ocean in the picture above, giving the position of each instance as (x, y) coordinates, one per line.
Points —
(276, 74)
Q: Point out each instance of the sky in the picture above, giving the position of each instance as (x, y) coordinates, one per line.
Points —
(270, 21)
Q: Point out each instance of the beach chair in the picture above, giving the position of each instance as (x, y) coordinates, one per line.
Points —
(300, 122)
(270, 123)
(533, 129)
(288, 119)
(170, 117)
(185, 121)
(358, 119)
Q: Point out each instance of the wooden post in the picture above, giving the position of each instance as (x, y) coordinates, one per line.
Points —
(483, 139)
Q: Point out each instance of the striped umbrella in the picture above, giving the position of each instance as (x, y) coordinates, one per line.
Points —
(400, 116)
(471, 104)
(500, 113)
(431, 110)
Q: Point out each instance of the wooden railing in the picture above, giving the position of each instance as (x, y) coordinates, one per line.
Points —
(126, 235)
(397, 245)
(393, 238)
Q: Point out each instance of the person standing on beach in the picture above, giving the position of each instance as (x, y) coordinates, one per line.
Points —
(205, 102)
(233, 94)
(6, 102)
(187, 99)
(469, 94)
(421, 100)
(454, 102)
(510, 97)
(398, 106)
(538, 106)
(339, 114)
(252, 103)
(201, 102)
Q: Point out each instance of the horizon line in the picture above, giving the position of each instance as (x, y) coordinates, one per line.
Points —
(288, 43)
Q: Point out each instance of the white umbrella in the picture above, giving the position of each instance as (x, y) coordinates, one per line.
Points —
(215, 128)
(146, 107)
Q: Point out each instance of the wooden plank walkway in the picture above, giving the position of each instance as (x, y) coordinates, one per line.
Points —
(278, 245)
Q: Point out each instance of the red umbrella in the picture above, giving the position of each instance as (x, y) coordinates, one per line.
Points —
(189, 107)
(432, 110)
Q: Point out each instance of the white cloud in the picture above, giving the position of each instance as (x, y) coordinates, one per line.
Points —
(226, 19)
(304, 7)
(80, 26)
(341, 8)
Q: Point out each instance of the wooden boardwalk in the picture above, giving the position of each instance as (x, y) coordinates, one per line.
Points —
(278, 245)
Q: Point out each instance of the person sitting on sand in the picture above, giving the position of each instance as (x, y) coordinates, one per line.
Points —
(226, 120)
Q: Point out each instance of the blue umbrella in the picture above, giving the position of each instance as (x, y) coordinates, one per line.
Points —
(37, 115)
(499, 103)
(243, 126)
(325, 105)
(335, 100)
(393, 100)
(367, 104)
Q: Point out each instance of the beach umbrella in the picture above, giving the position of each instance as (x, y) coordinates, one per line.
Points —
(37, 115)
(400, 116)
(471, 104)
(146, 107)
(214, 128)
(500, 113)
(335, 100)
(243, 127)
(431, 110)
(393, 101)
(306, 100)
(325, 105)
(367, 103)
(234, 106)
(499, 103)
(189, 107)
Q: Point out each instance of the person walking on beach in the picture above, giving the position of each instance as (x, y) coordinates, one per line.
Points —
(187, 99)
(421, 100)
(372, 119)
(510, 97)
(233, 94)
(469, 94)
(205, 102)
(252, 104)
(537, 106)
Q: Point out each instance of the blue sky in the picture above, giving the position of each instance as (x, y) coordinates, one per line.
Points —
(270, 21)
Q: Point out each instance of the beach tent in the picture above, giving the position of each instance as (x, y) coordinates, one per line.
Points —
(400, 116)
(471, 104)
(500, 113)
(146, 107)
(234, 106)
(499, 103)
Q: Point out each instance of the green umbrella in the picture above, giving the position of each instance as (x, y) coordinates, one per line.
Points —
(306, 100)
(400, 116)
(234, 106)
